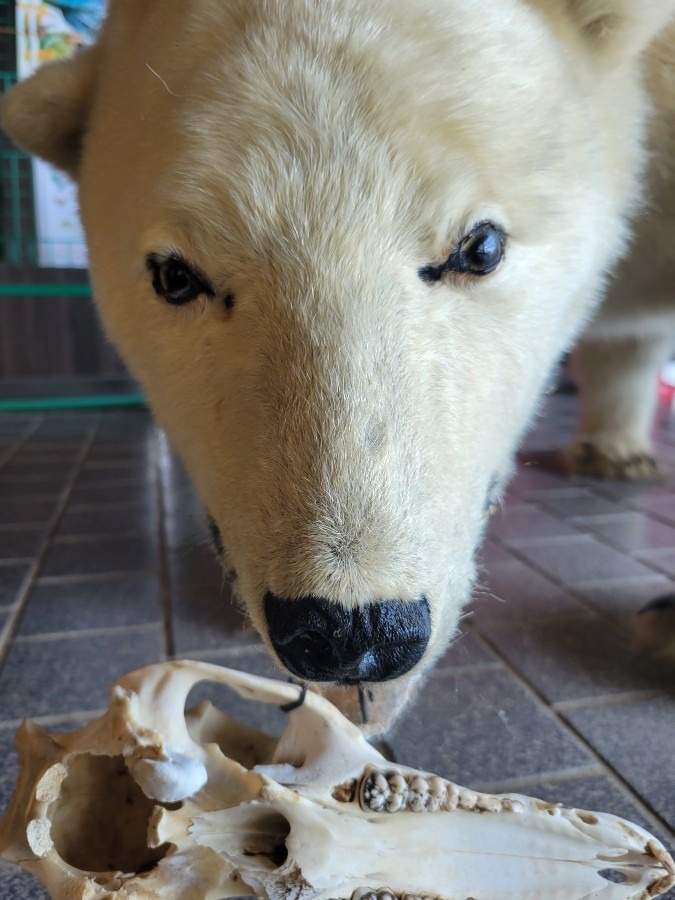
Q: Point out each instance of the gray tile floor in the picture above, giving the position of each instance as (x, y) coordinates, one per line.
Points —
(105, 566)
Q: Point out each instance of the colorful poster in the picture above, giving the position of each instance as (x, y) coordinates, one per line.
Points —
(47, 31)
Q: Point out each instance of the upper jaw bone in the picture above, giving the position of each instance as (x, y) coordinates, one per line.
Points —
(151, 803)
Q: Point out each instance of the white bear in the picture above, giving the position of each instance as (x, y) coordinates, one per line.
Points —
(342, 245)
(633, 333)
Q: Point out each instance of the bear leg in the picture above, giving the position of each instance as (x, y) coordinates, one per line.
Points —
(617, 380)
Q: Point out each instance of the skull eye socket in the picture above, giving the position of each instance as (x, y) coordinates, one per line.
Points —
(477, 254)
(175, 281)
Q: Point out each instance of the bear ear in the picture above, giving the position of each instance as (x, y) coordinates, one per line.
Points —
(47, 114)
(621, 28)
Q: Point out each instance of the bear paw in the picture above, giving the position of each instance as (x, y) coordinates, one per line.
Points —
(591, 461)
(654, 627)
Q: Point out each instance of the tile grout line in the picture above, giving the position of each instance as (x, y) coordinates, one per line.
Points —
(566, 727)
(103, 484)
(11, 528)
(21, 600)
(540, 504)
(30, 478)
(14, 447)
(629, 554)
(112, 575)
(570, 589)
(225, 653)
(165, 579)
(102, 537)
(122, 506)
(526, 782)
(80, 715)
(94, 465)
(634, 579)
(469, 669)
(112, 631)
(564, 706)
(637, 696)
(650, 514)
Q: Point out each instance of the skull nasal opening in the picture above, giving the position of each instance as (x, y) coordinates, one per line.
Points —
(318, 640)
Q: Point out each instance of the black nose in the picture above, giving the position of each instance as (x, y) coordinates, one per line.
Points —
(318, 640)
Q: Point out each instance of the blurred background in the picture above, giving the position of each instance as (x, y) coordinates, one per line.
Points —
(48, 325)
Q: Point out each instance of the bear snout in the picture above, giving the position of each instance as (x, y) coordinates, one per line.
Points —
(320, 640)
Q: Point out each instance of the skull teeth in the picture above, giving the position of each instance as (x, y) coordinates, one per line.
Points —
(394, 791)
(368, 894)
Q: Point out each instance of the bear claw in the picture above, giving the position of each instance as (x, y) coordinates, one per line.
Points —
(590, 461)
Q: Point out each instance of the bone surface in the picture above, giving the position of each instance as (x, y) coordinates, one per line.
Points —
(153, 802)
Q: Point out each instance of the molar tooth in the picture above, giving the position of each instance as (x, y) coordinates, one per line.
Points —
(511, 805)
(451, 797)
(553, 809)
(437, 793)
(395, 803)
(345, 793)
(485, 803)
(418, 794)
(385, 894)
(467, 799)
(399, 792)
(376, 791)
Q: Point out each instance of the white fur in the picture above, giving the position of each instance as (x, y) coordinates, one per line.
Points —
(633, 333)
(344, 421)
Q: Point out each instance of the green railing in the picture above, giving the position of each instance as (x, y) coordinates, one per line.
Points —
(55, 404)
(20, 251)
(17, 224)
(19, 246)
(20, 255)
(7, 79)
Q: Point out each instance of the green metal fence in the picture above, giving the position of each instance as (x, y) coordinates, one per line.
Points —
(19, 246)
(7, 36)
(20, 249)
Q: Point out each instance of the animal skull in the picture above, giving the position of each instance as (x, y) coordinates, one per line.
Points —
(150, 802)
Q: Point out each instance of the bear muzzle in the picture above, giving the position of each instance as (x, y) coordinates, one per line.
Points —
(322, 641)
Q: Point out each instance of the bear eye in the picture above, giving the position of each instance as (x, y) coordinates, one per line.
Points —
(174, 280)
(478, 253)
